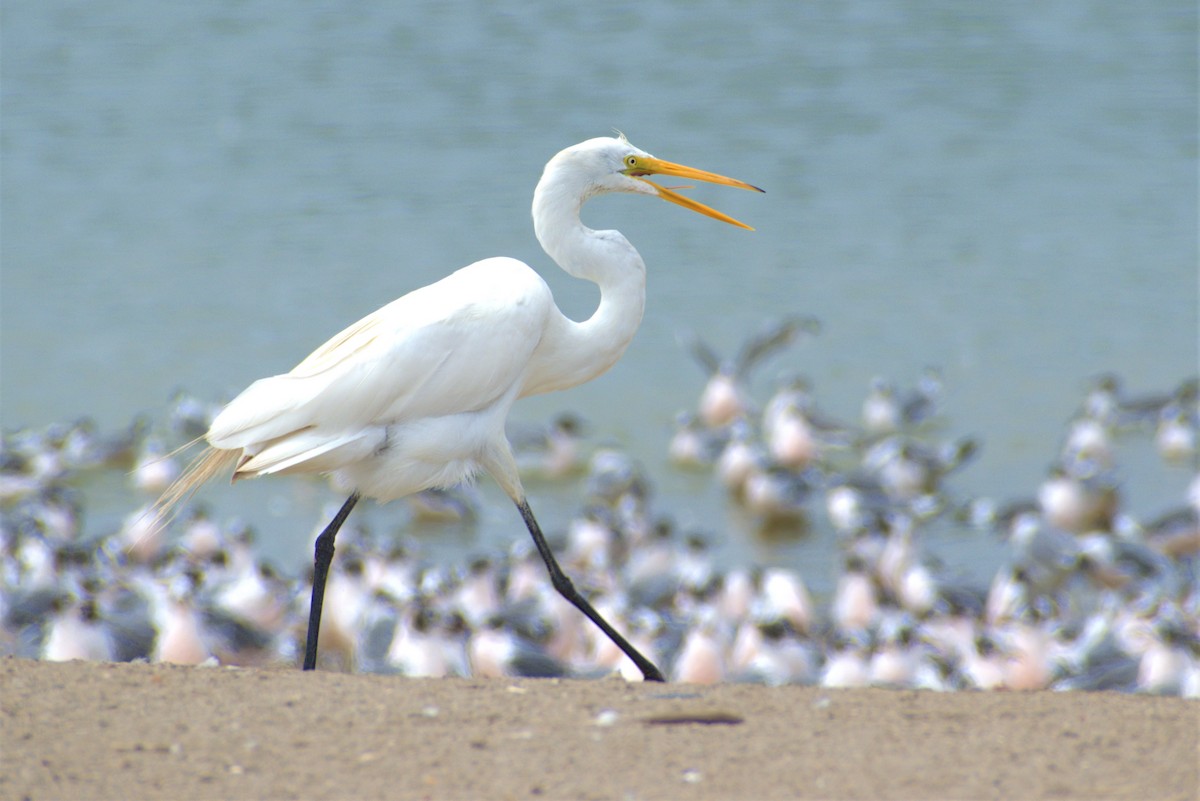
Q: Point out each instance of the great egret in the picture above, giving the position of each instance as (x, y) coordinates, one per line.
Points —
(415, 395)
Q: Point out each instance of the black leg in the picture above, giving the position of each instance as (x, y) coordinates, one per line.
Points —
(322, 559)
(567, 590)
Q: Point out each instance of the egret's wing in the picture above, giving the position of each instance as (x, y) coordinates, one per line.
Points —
(310, 450)
(453, 346)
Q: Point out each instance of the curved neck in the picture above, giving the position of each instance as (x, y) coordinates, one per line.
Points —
(574, 352)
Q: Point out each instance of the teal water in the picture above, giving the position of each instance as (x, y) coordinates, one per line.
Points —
(196, 195)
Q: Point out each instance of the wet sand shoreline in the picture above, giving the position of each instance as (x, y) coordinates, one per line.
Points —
(131, 731)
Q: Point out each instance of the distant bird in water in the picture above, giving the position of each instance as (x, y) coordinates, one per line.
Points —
(885, 410)
(415, 395)
(725, 397)
(553, 451)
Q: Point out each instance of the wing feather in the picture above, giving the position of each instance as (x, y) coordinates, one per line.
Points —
(453, 346)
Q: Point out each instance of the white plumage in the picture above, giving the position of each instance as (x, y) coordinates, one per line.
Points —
(415, 395)
(410, 397)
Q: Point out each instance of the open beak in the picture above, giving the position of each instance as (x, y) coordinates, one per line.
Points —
(647, 165)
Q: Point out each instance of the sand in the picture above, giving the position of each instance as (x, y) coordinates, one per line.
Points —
(133, 731)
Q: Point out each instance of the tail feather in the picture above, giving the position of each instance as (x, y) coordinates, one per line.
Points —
(210, 463)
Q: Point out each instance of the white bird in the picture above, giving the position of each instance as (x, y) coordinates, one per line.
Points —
(726, 396)
(415, 395)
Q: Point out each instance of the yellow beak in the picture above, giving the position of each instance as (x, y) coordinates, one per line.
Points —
(638, 166)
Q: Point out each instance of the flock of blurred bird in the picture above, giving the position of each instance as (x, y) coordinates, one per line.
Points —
(1090, 597)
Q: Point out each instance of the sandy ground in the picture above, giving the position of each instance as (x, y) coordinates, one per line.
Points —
(132, 731)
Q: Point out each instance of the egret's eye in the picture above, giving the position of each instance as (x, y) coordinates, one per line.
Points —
(633, 165)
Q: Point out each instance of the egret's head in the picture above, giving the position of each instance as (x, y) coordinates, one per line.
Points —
(612, 164)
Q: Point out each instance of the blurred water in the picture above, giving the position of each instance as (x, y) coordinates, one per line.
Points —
(196, 195)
